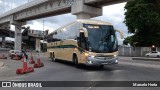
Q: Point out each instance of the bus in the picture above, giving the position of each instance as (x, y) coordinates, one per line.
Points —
(89, 42)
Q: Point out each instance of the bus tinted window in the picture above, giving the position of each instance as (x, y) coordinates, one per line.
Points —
(101, 39)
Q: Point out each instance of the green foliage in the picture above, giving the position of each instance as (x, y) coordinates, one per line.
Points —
(127, 40)
(142, 17)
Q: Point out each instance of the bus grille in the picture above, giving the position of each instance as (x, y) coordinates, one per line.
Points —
(103, 58)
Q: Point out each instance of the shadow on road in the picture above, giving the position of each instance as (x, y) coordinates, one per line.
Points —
(87, 68)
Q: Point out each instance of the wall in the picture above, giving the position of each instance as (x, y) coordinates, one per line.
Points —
(134, 51)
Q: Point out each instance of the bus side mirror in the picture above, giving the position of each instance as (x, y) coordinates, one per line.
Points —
(85, 32)
(121, 33)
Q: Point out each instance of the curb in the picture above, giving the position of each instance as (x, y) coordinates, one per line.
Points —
(146, 59)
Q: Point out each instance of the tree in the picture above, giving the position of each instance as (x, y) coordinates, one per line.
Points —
(142, 17)
(127, 40)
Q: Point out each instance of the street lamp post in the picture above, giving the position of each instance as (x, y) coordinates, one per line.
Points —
(11, 4)
(153, 48)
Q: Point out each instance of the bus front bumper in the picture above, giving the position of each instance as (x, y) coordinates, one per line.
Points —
(104, 61)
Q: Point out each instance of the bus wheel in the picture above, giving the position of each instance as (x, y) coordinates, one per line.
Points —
(75, 61)
(53, 58)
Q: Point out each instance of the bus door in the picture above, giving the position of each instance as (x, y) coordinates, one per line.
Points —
(82, 41)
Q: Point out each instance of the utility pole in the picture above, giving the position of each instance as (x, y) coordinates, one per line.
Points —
(43, 34)
(11, 4)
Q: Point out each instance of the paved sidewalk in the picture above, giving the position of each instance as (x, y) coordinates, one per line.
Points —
(8, 71)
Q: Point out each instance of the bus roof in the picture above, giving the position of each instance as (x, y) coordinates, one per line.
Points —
(91, 21)
(84, 21)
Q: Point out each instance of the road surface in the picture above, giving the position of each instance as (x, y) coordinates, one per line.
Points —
(126, 70)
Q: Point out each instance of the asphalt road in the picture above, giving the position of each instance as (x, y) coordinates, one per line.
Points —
(126, 70)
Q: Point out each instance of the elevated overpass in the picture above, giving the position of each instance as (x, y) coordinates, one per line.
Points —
(83, 9)
(5, 33)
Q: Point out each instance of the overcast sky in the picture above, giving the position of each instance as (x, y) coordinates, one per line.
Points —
(112, 13)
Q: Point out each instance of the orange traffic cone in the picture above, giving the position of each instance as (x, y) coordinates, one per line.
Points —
(32, 60)
(39, 63)
(25, 68)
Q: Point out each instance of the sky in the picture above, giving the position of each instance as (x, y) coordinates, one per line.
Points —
(112, 13)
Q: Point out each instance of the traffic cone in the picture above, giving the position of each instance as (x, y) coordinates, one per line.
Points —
(32, 60)
(19, 71)
(25, 68)
(39, 63)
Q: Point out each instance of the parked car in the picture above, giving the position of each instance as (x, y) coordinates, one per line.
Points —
(12, 53)
(153, 54)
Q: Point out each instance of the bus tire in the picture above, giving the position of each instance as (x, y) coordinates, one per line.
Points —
(53, 58)
(75, 60)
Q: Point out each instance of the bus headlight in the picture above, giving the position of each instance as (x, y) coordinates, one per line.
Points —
(115, 55)
(116, 61)
(89, 62)
(86, 54)
(92, 56)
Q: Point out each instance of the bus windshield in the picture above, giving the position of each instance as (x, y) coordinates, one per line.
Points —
(101, 38)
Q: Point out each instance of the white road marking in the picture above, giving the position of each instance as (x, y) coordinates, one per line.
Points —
(89, 88)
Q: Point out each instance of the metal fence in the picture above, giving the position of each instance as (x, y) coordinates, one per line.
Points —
(134, 51)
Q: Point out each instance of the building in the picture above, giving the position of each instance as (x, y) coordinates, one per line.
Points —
(32, 39)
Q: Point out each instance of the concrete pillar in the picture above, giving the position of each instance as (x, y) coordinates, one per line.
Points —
(18, 34)
(85, 11)
(38, 45)
(3, 42)
(83, 16)
(18, 38)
